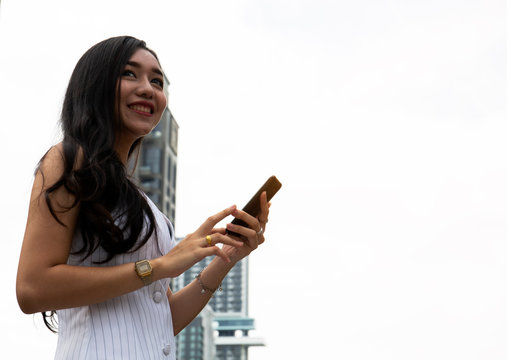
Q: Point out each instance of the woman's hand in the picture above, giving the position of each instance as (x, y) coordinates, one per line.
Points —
(189, 301)
(253, 235)
(200, 244)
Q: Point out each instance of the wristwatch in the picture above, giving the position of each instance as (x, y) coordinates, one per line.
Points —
(144, 271)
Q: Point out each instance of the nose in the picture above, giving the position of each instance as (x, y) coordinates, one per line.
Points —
(144, 88)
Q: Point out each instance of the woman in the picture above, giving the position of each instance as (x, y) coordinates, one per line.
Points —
(96, 249)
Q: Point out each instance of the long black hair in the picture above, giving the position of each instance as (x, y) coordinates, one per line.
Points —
(100, 184)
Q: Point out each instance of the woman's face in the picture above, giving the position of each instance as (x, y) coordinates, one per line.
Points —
(142, 100)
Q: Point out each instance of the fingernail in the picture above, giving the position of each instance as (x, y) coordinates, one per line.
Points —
(233, 207)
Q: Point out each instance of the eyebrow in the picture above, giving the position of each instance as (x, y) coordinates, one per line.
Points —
(137, 65)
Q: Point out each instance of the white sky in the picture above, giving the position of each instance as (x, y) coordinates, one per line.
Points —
(384, 120)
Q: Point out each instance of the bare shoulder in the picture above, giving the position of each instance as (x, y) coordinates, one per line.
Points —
(53, 163)
(49, 173)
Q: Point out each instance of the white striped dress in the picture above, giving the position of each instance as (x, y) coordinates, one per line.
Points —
(134, 326)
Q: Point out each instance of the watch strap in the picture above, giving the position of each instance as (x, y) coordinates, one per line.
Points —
(145, 276)
(146, 279)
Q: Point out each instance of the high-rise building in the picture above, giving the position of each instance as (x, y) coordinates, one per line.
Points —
(226, 314)
(196, 341)
(231, 319)
(157, 164)
(220, 332)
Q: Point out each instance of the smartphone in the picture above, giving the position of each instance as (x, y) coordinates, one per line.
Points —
(253, 207)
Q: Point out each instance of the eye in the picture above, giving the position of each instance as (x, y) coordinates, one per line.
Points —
(128, 73)
(158, 81)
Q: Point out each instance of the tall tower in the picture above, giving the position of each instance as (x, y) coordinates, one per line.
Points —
(231, 316)
(226, 314)
(157, 163)
(220, 332)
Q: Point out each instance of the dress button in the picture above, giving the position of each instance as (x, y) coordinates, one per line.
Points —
(157, 296)
(167, 350)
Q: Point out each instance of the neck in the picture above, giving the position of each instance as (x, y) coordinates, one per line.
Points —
(122, 149)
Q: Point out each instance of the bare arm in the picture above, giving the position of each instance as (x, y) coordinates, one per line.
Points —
(45, 281)
(188, 302)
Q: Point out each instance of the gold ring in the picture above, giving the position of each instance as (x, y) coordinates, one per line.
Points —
(208, 239)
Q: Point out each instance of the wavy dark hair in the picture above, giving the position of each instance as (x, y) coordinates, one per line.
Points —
(100, 184)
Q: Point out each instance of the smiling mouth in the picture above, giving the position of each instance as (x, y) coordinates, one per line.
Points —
(141, 109)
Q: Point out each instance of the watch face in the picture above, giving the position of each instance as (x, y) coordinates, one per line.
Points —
(144, 268)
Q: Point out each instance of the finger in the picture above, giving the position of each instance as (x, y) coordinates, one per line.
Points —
(263, 216)
(241, 230)
(214, 219)
(218, 231)
(227, 240)
(214, 250)
(251, 221)
(251, 235)
(217, 238)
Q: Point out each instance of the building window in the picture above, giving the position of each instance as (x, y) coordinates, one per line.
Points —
(169, 167)
(152, 158)
(173, 175)
(160, 125)
(173, 136)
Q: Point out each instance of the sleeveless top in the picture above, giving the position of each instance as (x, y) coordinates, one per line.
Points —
(137, 325)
